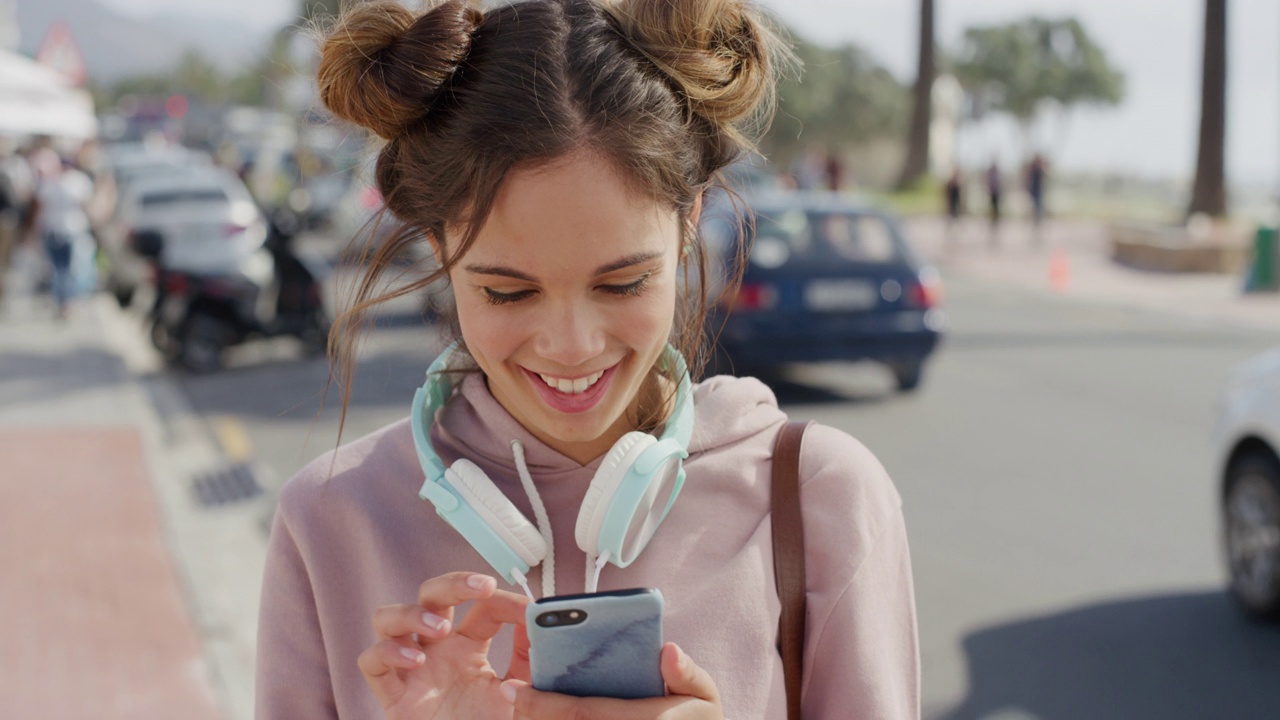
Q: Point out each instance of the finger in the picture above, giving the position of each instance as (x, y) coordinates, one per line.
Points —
(519, 668)
(486, 617)
(440, 594)
(380, 664)
(394, 621)
(684, 677)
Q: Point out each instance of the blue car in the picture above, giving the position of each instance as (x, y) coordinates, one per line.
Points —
(827, 278)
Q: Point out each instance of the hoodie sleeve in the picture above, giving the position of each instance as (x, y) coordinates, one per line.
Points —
(861, 648)
(292, 669)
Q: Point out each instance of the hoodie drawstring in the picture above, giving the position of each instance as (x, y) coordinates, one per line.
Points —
(544, 523)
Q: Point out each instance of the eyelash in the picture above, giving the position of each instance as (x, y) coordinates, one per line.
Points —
(629, 290)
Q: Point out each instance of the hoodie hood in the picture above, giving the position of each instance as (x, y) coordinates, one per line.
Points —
(473, 424)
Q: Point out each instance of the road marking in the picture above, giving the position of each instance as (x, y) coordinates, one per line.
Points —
(233, 438)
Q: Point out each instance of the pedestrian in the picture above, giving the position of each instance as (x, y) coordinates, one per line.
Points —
(62, 199)
(16, 190)
(995, 187)
(554, 154)
(1036, 172)
(834, 171)
(952, 192)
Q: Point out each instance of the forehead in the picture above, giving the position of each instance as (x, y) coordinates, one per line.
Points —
(575, 209)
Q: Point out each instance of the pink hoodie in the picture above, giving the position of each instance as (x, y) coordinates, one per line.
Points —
(346, 543)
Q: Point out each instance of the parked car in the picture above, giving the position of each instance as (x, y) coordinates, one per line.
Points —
(1247, 451)
(131, 163)
(205, 214)
(827, 278)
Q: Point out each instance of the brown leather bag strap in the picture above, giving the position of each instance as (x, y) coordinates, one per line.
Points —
(788, 558)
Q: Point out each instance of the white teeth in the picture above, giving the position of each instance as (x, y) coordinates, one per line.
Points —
(572, 387)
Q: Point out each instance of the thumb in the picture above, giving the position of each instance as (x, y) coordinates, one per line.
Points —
(683, 677)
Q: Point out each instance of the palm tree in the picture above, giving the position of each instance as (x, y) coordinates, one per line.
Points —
(917, 162)
(1208, 194)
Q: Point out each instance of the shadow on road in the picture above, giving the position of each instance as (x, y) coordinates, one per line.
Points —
(1173, 656)
(28, 377)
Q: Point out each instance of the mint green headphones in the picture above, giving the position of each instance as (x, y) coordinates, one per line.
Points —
(628, 499)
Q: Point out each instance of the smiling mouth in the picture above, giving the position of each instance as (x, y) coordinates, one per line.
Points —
(576, 386)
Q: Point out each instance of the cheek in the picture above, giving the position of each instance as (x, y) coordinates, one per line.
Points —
(489, 332)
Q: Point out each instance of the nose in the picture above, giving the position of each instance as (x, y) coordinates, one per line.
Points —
(570, 334)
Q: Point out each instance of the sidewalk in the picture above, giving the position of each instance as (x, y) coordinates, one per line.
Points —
(1074, 262)
(121, 598)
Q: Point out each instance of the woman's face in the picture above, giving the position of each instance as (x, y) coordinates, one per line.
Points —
(566, 300)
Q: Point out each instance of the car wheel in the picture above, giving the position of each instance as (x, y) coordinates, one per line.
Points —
(203, 339)
(1251, 530)
(908, 375)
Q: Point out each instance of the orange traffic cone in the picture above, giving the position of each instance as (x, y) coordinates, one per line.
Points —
(1059, 270)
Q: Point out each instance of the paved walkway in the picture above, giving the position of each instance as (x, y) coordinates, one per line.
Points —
(1074, 261)
(95, 619)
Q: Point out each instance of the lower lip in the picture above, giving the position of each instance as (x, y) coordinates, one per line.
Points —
(566, 403)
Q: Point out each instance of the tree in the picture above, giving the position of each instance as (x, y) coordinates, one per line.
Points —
(1014, 68)
(313, 9)
(1208, 192)
(917, 162)
(842, 99)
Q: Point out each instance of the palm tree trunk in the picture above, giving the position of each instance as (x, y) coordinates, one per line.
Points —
(1209, 194)
(917, 162)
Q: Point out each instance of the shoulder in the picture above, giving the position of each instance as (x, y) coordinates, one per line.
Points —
(848, 497)
(356, 474)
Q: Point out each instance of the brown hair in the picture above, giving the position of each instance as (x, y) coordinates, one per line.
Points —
(668, 91)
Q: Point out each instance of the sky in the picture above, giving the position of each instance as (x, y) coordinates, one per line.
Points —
(1155, 43)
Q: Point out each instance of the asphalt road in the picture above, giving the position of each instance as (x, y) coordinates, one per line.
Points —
(1058, 488)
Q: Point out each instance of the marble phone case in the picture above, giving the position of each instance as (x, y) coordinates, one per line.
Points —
(614, 652)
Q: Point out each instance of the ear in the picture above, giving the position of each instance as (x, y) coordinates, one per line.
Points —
(436, 250)
(695, 214)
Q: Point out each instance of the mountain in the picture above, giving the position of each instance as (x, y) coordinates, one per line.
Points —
(116, 46)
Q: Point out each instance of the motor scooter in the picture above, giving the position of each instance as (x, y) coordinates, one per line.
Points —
(271, 292)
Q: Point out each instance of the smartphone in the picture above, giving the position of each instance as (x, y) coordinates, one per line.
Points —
(606, 644)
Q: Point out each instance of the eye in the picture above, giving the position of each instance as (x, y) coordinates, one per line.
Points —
(500, 298)
(630, 289)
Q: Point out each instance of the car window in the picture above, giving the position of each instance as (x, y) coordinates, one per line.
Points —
(184, 195)
(857, 237)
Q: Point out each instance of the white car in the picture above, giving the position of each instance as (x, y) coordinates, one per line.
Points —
(1247, 444)
(205, 214)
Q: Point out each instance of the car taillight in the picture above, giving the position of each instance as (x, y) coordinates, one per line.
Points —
(925, 291)
(755, 296)
(176, 284)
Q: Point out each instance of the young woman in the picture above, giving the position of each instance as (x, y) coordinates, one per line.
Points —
(554, 155)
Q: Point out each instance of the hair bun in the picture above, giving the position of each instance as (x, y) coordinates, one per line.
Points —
(717, 51)
(381, 66)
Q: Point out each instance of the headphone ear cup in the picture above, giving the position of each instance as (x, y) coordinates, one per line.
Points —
(595, 504)
(496, 510)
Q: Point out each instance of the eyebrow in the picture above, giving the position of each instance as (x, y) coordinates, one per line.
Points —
(619, 264)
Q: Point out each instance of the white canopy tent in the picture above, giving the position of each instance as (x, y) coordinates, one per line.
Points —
(35, 100)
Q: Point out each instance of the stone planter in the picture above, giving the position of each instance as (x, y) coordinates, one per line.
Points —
(1199, 248)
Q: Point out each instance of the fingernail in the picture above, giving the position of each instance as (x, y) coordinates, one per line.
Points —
(509, 692)
(433, 621)
(682, 660)
(479, 582)
(413, 655)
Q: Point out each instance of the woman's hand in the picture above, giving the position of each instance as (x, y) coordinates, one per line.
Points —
(444, 672)
(691, 695)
